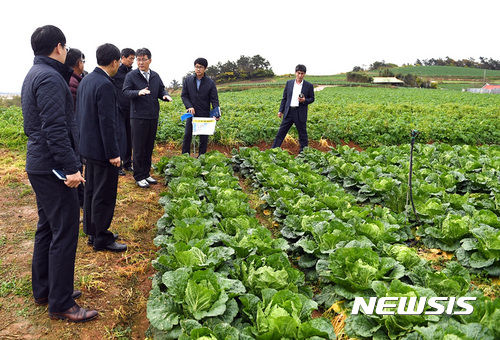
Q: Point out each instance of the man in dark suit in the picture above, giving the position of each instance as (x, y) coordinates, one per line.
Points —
(98, 116)
(298, 94)
(50, 125)
(127, 60)
(198, 92)
(143, 87)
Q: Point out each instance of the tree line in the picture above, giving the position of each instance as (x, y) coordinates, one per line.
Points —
(483, 63)
(244, 68)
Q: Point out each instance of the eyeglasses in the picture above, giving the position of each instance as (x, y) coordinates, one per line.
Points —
(140, 60)
(199, 67)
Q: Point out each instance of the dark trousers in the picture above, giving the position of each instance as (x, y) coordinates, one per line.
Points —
(101, 182)
(56, 238)
(127, 156)
(188, 137)
(143, 143)
(291, 118)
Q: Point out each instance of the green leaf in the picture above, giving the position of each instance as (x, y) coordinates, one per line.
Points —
(307, 261)
(163, 313)
(478, 261)
(176, 282)
(198, 299)
(361, 326)
(309, 246)
(283, 326)
(319, 327)
(194, 257)
(489, 241)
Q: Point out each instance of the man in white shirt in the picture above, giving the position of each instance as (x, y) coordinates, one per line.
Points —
(297, 95)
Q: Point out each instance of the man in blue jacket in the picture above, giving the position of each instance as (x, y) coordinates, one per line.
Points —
(49, 123)
(198, 92)
(297, 96)
(143, 87)
(98, 116)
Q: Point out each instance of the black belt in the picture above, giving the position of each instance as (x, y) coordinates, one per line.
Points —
(294, 107)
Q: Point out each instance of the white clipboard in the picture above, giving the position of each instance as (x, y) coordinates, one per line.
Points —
(203, 126)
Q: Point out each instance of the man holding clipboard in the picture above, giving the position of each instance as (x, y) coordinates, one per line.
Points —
(198, 92)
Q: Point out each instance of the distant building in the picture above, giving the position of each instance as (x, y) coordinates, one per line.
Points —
(387, 81)
(491, 89)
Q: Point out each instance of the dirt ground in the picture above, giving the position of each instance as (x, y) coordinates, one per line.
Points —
(116, 284)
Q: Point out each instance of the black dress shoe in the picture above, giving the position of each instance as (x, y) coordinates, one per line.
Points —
(44, 301)
(75, 314)
(121, 172)
(115, 247)
(90, 241)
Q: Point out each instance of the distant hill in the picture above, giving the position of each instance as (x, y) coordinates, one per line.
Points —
(446, 72)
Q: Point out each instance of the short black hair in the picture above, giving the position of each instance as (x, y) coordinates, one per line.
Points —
(127, 52)
(106, 54)
(44, 39)
(201, 61)
(73, 57)
(143, 51)
(300, 67)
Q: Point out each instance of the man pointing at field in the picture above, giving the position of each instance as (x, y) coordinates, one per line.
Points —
(297, 96)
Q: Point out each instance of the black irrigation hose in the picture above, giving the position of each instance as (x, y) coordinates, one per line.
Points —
(414, 133)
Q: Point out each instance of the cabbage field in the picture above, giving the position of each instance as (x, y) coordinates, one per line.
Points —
(366, 116)
(267, 245)
(264, 244)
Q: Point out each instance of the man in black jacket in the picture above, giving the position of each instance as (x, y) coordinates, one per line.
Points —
(98, 116)
(297, 96)
(198, 92)
(143, 87)
(127, 60)
(49, 123)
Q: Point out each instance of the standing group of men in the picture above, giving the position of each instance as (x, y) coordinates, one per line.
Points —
(100, 118)
(69, 118)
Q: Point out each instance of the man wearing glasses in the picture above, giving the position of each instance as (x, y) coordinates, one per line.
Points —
(99, 119)
(143, 87)
(50, 125)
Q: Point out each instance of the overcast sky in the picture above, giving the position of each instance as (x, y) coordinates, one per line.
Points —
(328, 36)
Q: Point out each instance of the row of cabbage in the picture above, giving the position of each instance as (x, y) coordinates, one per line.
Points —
(456, 192)
(220, 273)
(349, 250)
(367, 116)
